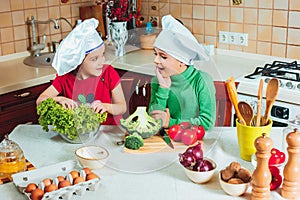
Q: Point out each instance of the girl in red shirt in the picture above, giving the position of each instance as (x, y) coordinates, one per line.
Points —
(82, 76)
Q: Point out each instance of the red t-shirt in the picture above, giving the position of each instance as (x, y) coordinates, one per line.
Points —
(90, 89)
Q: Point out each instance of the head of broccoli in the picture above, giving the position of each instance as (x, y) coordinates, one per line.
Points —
(142, 123)
(134, 141)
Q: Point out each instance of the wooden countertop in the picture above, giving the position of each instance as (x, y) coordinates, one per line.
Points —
(15, 75)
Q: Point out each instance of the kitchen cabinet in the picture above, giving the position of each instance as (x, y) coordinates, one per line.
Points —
(19, 107)
(137, 92)
(136, 89)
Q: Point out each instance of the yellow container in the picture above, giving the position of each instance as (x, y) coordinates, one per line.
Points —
(247, 135)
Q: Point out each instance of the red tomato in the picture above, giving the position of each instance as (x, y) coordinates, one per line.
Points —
(175, 132)
(200, 131)
(188, 137)
(185, 125)
(277, 157)
(276, 178)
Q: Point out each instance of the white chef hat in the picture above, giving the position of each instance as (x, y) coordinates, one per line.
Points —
(82, 40)
(176, 40)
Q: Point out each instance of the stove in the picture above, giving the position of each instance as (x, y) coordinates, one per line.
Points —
(287, 104)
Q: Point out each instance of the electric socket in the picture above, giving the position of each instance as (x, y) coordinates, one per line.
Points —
(154, 20)
(240, 39)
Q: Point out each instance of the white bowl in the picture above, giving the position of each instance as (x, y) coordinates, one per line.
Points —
(233, 189)
(200, 177)
(93, 157)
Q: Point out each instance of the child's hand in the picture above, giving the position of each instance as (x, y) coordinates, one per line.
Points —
(98, 107)
(66, 102)
(164, 82)
(164, 115)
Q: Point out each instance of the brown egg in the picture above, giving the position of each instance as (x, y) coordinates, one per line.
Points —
(74, 174)
(50, 188)
(47, 181)
(64, 183)
(37, 194)
(87, 170)
(91, 176)
(30, 187)
(60, 178)
(78, 180)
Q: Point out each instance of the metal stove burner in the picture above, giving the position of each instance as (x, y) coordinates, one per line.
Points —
(278, 69)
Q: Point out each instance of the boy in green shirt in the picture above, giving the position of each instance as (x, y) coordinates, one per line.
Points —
(180, 92)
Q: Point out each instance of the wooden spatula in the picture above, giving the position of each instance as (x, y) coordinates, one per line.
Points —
(271, 94)
(259, 100)
(232, 93)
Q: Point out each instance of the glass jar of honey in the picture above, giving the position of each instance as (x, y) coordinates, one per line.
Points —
(12, 159)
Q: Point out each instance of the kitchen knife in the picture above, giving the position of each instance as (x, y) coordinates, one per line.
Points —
(166, 137)
(259, 99)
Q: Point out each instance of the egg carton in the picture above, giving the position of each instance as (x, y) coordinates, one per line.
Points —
(21, 180)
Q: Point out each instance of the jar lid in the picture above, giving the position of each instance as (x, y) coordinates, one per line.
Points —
(10, 149)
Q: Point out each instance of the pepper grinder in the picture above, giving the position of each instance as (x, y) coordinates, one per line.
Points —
(291, 180)
(261, 177)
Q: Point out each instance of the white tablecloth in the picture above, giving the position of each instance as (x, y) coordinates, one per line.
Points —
(131, 176)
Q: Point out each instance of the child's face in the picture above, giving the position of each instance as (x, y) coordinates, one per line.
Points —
(92, 64)
(166, 64)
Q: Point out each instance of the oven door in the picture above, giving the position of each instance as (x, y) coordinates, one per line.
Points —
(281, 112)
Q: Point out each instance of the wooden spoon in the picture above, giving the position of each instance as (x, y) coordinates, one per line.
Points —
(271, 94)
(259, 102)
(232, 93)
(246, 112)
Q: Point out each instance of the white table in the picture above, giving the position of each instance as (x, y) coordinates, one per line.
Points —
(157, 176)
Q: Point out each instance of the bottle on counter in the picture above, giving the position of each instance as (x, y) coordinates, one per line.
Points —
(149, 28)
(12, 159)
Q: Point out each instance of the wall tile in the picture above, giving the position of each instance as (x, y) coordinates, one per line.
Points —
(280, 18)
(30, 4)
(264, 48)
(211, 2)
(53, 2)
(65, 11)
(294, 19)
(20, 46)
(236, 27)
(279, 35)
(186, 1)
(224, 14)
(16, 5)
(224, 2)
(210, 40)
(198, 26)
(8, 48)
(251, 48)
(264, 33)
(251, 29)
(54, 12)
(175, 10)
(278, 50)
(18, 17)
(198, 12)
(265, 17)
(195, 1)
(176, 1)
(5, 6)
(293, 36)
(223, 26)
(5, 19)
(281, 4)
(7, 35)
(250, 16)
(210, 13)
(251, 3)
(187, 11)
(293, 51)
(265, 3)
(41, 3)
(20, 32)
(237, 15)
(210, 28)
(294, 4)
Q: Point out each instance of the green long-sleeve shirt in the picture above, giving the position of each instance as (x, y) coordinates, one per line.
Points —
(191, 98)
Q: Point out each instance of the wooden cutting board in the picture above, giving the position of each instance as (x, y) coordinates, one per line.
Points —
(157, 144)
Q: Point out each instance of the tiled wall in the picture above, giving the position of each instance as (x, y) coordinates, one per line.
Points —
(16, 35)
(273, 26)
